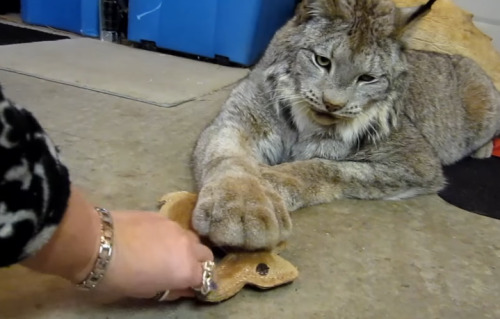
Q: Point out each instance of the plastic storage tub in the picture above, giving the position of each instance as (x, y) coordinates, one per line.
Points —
(233, 30)
(78, 16)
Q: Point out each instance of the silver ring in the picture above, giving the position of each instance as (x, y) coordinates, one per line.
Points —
(161, 296)
(208, 283)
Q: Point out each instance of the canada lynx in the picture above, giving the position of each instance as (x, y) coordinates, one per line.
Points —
(337, 108)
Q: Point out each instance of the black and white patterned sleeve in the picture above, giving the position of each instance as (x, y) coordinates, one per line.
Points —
(34, 184)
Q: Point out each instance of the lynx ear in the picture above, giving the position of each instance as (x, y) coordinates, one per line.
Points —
(303, 12)
(331, 9)
(408, 17)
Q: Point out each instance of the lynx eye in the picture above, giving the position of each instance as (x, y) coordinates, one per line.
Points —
(366, 78)
(323, 62)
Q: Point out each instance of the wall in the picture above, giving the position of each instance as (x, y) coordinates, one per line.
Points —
(486, 16)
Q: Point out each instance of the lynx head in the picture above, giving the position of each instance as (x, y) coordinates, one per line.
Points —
(347, 60)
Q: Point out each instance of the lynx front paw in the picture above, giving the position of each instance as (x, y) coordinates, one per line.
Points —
(484, 152)
(241, 212)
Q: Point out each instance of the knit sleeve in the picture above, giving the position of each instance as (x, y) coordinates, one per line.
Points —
(34, 184)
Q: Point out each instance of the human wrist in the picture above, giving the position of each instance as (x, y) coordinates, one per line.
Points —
(104, 254)
(72, 250)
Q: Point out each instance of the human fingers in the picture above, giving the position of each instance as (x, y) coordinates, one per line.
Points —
(193, 237)
(203, 253)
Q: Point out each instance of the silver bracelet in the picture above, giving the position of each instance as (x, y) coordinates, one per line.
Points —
(105, 251)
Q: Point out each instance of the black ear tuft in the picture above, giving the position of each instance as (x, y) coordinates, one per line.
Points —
(407, 17)
(302, 11)
(330, 9)
(421, 11)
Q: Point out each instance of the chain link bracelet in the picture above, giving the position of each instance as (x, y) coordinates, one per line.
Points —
(105, 251)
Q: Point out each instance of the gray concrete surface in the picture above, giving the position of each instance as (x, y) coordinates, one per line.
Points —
(419, 258)
(157, 78)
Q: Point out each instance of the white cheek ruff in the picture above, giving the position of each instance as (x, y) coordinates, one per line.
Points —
(377, 122)
(304, 124)
(377, 116)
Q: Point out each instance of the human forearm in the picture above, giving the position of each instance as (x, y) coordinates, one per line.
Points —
(72, 250)
(50, 227)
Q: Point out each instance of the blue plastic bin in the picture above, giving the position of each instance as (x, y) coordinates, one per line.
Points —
(78, 16)
(238, 30)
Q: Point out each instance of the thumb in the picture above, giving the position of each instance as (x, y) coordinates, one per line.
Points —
(177, 294)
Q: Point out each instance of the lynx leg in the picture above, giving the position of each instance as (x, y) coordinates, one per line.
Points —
(484, 151)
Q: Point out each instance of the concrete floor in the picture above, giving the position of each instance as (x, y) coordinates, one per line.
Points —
(419, 258)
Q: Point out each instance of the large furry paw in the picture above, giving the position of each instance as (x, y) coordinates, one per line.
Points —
(484, 152)
(243, 212)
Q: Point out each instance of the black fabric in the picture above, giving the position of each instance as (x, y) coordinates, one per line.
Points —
(34, 184)
(10, 34)
(474, 185)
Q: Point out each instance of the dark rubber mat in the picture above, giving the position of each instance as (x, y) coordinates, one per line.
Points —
(10, 34)
(474, 185)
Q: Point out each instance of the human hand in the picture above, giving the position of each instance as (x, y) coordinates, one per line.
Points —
(153, 254)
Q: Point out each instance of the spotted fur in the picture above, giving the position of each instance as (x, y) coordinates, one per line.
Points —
(337, 108)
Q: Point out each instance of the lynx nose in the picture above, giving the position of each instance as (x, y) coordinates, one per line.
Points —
(332, 107)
